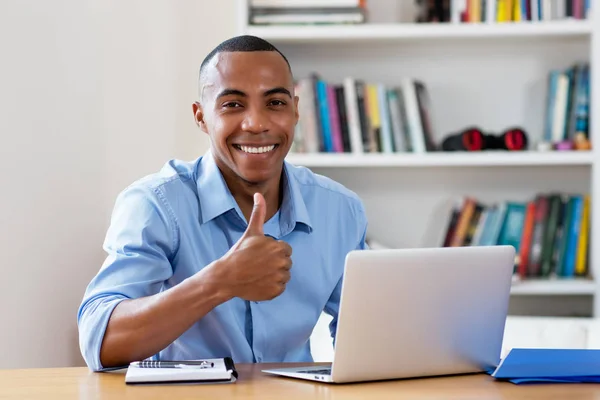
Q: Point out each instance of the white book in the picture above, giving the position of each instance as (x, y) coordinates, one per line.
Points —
(413, 116)
(222, 370)
(304, 3)
(490, 12)
(396, 120)
(307, 111)
(535, 11)
(547, 10)
(480, 227)
(309, 18)
(457, 7)
(560, 9)
(352, 114)
(560, 108)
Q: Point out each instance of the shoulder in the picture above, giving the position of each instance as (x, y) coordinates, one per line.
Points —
(172, 175)
(313, 184)
(157, 191)
(150, 202)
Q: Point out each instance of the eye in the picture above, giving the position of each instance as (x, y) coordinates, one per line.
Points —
(232, 104)
(277, 103)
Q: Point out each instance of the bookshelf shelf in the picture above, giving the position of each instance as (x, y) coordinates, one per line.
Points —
(405, 31)
(554, 287)
(529, 158)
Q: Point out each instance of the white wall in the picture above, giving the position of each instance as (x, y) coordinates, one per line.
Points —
(93, 95)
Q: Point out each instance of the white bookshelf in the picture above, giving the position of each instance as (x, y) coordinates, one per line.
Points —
(413, 31)
(488, 75)
(443, 159)
(554, 287)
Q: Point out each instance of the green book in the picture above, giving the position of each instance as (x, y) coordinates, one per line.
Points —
(549, 235)
(560, 263)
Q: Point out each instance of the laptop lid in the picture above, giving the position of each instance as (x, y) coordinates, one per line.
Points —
(422, 312)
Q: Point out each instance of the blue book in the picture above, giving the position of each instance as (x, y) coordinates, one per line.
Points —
(549, 365)
(573, 236)
(324, 112)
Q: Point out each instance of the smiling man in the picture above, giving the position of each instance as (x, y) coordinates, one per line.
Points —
(235, 254)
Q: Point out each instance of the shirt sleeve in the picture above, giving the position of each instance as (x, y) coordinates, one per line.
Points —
(333, 304)
(139, 243)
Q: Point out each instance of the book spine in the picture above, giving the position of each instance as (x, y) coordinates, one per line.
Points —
(384, 114)
(343, 117)
(526, 240)
(582, 244)
(324, 112)
(334, 120)
(354, 125)
(462, 225)
(571, 251)
(551, 227)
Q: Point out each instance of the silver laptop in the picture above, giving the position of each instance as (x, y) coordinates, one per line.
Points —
(418, 312)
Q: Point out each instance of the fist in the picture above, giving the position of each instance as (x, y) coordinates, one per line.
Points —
(257, 267)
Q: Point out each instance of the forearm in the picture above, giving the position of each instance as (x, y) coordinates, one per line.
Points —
(140, 328)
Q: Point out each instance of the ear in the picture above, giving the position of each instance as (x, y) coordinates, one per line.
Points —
(296, 113)
(199, 116)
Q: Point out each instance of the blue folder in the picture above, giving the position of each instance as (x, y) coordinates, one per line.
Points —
(550, 365)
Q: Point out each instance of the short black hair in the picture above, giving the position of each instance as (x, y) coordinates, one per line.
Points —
(241, 43)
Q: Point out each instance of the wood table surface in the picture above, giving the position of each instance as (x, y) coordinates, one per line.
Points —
(81, 383)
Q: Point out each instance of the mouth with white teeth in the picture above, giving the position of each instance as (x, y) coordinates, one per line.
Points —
(256, 149)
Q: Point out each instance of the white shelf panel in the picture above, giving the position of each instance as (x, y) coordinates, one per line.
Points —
(554, 287)
(320, 33)
(456, 159)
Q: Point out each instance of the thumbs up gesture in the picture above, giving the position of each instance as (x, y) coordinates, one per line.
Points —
(257, 267)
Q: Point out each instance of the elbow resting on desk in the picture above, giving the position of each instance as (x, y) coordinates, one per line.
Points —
(115, 330)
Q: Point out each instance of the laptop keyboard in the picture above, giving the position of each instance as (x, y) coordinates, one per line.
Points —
(326, 371)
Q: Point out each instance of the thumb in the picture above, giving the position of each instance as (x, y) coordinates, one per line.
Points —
(257, 218)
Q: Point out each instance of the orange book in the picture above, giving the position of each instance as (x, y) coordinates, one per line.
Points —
(474, 10)
(526, 239)
(510, 7)
(464, 220)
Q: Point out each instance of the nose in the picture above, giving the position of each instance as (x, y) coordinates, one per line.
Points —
(255, 120)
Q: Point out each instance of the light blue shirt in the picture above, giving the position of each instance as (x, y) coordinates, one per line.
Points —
(170, 225)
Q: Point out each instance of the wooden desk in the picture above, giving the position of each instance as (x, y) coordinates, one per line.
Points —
(80, 383)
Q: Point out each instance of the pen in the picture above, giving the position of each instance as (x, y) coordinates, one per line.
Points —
(172, 364)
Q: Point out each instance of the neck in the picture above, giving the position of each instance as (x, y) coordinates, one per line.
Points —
(243, 193)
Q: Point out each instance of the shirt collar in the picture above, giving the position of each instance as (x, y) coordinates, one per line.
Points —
(216, 199)
(213, 193)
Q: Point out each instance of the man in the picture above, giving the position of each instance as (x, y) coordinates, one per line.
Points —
(236, 254)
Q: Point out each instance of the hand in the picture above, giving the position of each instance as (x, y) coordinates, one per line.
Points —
(257, 267)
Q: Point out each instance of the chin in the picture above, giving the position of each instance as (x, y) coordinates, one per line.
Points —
(256, 177)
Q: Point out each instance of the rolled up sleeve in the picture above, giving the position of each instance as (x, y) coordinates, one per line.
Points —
(140, 244)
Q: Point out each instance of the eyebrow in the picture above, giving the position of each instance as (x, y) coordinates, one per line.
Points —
(236, 92)
(280, 90)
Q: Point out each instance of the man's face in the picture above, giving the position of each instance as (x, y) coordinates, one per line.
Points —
(248, 107)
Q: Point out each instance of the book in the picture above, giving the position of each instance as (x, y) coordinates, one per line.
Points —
(214, 370)
(522, 365)
(304, 3)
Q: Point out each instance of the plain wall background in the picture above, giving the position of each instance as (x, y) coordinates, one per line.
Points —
(94, 94)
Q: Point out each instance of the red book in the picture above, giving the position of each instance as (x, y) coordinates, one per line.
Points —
(526, 239)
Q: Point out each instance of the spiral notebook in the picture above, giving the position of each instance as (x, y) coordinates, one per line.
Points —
(214, 370)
